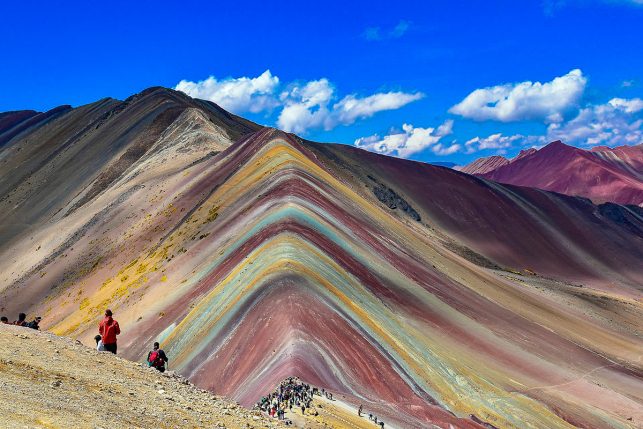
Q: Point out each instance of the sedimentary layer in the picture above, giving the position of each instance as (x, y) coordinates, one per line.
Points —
(430, 296)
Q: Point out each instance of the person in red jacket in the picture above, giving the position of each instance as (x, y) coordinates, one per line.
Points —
(109, 329)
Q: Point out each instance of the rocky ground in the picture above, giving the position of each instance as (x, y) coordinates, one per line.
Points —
(54, 382)
(47, 381)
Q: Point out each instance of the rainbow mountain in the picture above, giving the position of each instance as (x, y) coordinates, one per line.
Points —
(432, 297)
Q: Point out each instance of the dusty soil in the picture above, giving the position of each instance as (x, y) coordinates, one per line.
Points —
(47, 381)
(54, 382)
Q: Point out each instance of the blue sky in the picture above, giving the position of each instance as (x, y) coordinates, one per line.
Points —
(392, 77)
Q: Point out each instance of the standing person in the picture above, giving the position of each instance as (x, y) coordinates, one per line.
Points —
(108, 329)
(22, 320)
(359, 411)
(157, 358)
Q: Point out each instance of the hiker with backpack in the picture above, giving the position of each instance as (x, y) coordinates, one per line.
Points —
(109, 329)
(157, 358)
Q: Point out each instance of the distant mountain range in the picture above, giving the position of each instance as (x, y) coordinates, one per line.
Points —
(601, 174)
(443, 164)
(432, 297)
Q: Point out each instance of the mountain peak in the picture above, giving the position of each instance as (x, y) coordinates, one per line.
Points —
(558, 145)
(525, 152)
(374, 277)
(571, 170)
(158, 91)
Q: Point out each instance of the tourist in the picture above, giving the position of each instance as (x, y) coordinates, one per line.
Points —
(109, 329)
(157, 358)
(99, 343)
(34, 324)
(22, 320)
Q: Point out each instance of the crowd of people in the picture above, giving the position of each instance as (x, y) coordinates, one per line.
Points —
(293, 394)
(22, 321)
(290, 394)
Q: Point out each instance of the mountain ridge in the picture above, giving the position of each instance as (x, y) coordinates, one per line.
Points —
(260, 255)
(614, 175)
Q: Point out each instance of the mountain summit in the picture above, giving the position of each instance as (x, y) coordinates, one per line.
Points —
(429, 296)
(602, 174)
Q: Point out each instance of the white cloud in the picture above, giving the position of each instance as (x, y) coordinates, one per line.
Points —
(494, 141)
(410, 140)
(550, 6)
(375, 33)
(632, 105)
(304, 106)
(351, 108)
(618, 122)
(442, 150)
(309, 106)
(238, 95)
(372, 33)
(615, 123)
(524, 101)
(400, 29)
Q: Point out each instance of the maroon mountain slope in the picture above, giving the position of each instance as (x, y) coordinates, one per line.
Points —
(432, 297)
(604, 174)
(13, 124)
(10, 119)
(519, 228)
(629, 158)
(485, 165)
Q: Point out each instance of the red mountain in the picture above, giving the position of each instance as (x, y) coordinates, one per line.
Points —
(431, 297)
(485, 165)
(601, 174)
